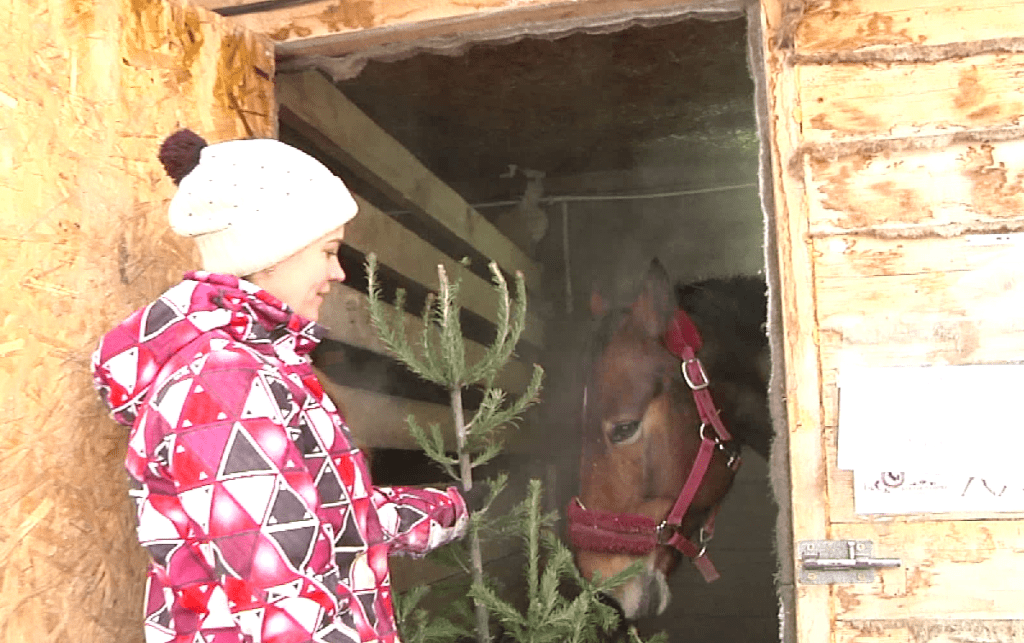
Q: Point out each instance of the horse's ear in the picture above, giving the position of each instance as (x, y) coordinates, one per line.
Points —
(656, 303)
(598, 304)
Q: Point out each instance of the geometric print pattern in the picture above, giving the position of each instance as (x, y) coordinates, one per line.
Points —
(258, 512)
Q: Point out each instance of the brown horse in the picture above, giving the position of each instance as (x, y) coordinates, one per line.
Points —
(671, 380)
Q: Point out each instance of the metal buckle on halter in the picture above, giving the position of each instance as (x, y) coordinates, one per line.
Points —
(664, 528)
(703, 539)
(703, 383)
(724, 446)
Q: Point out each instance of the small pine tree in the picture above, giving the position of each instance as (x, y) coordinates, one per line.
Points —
(440, 358)
(552, 617)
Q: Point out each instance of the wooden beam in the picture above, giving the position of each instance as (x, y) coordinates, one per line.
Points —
(406, 253)
(902, 100)
(330, 28)
(376, 157)
(864, 24)
(378, 421)
(803, 385)
(346, 313)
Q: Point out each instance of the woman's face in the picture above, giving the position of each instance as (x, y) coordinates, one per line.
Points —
(302, 280)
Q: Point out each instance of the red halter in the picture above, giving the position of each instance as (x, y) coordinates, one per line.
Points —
(603, 531)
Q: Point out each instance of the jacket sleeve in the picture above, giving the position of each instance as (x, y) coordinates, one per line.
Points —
(417, 520)
(228, 509)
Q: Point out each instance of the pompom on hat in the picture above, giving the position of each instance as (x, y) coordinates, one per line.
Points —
(249, 204)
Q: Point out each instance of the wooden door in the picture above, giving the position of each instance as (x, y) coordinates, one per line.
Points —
(898, 152)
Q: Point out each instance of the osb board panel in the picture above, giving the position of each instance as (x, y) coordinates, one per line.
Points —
(863, 24)
(949, 570)
(903, 99)
(947, 191)
(83, 241)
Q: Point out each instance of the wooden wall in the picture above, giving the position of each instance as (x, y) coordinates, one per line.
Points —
(437, 228)
(896, 136)
(89, 92)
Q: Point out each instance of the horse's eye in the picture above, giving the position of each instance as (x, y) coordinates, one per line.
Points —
(624, 432)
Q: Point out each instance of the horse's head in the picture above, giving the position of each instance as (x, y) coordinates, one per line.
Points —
(654, 468)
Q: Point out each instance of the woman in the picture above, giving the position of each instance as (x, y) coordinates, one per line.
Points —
(255, 506)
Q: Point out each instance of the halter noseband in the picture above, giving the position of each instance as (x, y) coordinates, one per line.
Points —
(634, 534)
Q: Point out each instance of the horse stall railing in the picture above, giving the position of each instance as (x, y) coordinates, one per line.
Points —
(429, 225)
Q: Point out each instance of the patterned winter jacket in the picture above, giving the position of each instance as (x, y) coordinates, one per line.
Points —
(255, 506)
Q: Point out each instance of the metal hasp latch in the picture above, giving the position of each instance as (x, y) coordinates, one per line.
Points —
(839, 561)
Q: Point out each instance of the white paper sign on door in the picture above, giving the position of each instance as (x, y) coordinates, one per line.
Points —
(902, 492)
(933, 438)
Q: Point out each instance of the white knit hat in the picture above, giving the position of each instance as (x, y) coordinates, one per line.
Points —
(249, 204)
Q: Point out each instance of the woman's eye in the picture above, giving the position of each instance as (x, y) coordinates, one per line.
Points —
(624, 432)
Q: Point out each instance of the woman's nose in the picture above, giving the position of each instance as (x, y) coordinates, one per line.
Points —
(337, 273)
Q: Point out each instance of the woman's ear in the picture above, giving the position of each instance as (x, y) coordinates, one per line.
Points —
(258, 276)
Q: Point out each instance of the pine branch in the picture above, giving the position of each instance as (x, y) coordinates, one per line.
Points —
(394, 336)
(431, 354)
(432, 445)
(453, 351)
(511, 320)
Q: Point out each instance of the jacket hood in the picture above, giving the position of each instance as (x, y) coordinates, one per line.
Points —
(130, 357)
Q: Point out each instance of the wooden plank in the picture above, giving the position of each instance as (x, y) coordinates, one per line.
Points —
(919, 301)
(380, 160)
(408, 254)
(346, 314)
(329, 28)
(947, 191)
(914, 630)
(378, 421)
(863, 24)
(860, 255)
(800, 353)
(950, 570)
(846, 303)
(910, 99)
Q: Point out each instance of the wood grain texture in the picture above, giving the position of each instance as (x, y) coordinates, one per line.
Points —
(84, 241)
(877, 24)
(329, 28)
(796, 271)
(895, 99)
(950, 570)
(947, 191)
